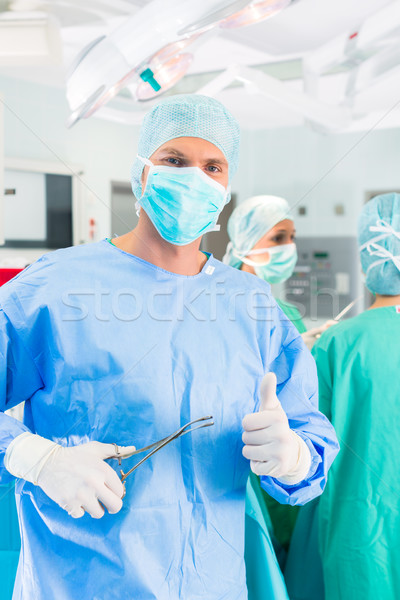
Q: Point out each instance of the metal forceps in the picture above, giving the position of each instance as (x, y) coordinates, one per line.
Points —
(153, 448)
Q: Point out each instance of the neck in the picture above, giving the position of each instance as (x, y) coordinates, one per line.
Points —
(145, 242)
(381, 301)
(247, 268)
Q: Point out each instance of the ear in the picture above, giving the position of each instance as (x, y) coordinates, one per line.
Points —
(143, 177)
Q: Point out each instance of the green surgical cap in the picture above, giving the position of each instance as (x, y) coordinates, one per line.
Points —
(252, 219)
(379, 243)
(187, 115)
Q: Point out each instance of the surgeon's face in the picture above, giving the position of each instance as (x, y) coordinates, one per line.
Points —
(191, 152)
(283, 233)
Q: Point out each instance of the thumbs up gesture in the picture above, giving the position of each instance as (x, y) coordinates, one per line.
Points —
(271, 446)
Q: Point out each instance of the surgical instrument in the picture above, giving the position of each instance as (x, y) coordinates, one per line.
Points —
(346, 309)
(153, 448)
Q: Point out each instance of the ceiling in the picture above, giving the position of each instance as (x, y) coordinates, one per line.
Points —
(278, 45)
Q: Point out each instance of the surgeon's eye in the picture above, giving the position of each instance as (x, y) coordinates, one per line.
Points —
(213, 169)
(173, 161)
(279, 239)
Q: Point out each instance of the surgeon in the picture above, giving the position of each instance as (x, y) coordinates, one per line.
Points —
(262, 242)
(358, 369)
(115, 345)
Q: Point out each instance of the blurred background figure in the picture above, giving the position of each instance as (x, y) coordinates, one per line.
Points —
(359, 390)
(262, 241)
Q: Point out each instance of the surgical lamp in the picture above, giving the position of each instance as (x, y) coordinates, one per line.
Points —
(150, 64)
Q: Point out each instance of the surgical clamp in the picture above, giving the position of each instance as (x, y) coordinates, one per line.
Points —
(153, 448)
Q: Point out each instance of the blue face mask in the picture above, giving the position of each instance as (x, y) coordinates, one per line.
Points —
(183, 203)
(280, 266)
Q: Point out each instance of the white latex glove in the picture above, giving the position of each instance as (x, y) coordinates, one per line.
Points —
(312, 335)
(76, 477)
(271, 446)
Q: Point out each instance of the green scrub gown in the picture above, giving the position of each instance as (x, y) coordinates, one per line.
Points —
(303, 569)
(263, 575)
(359, 513)
(265, 517)
(9, 540)
(293, 315)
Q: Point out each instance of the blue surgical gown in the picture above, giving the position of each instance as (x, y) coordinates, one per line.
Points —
(105, 346)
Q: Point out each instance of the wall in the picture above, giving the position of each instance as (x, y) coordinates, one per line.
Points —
(318, 172)
(34, 124)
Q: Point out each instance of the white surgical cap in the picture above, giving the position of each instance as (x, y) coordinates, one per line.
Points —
(252, 219)
(379, 241)
(187, 115)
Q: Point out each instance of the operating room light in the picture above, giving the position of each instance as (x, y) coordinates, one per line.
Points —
(113, 91)
(168, 65)
(151, 64)
(255, 12)
(166, 75)
(172, 50)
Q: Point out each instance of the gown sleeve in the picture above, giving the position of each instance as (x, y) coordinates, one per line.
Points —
(19, 380)
(297, 390)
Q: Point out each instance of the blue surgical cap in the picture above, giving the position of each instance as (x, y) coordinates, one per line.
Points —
(252, 219)
(379, 242)
(187, 115)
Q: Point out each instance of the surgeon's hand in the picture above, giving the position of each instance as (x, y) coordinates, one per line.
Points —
(271, 446)
(312, 335)
(76, 477)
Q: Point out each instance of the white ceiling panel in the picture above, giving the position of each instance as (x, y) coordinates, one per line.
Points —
(297, 31)
(306, 24)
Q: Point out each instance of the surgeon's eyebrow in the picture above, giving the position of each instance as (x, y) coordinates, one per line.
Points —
(217, 161)
(171, 150)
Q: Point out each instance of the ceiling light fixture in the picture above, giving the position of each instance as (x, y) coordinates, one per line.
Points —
(149, 51)
(254, 13)
(166, 76)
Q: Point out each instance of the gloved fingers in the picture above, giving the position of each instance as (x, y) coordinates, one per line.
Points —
(260, 453)
(91, 505)
(316, 331)
(104, 451)
(259, 437)
(113, 482)
(329, 323)
(111, 502)
(268, 397)
(309, 340)
(261, 420)
(126, 450)
(312, 333)
(75, 512)
(269, 468)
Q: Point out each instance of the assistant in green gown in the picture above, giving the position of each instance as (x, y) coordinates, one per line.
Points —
(359, 513)
(359, 517)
